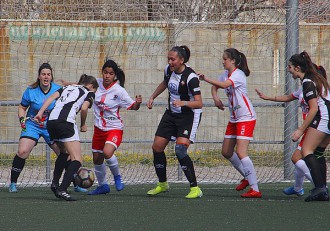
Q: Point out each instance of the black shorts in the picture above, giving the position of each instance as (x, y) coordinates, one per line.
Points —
(173, 125)
(60, 129)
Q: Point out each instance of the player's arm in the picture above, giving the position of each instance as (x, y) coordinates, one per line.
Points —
(225, 84)
(83, 115)
(161, 87)
(46, 104)
(217, 102)
(277, 98)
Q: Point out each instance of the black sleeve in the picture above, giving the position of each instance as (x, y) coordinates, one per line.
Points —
(90, 98)
(194, 87)
(60, 90)
(309, 90)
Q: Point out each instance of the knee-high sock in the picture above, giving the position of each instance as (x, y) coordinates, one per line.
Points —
(314, 168)
(60, 164)
(113, 165)
(323, 167)
(69, 175)
(301, 172)
(186, 163)
(250, 173)
(237, 163)
(16, 169)
(160, 165)
(319, 153)
(101, 172)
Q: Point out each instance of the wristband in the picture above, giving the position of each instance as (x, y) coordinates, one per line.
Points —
(186, 103)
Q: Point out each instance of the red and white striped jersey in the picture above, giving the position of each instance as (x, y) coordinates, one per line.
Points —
(240, 106)
(107, 104)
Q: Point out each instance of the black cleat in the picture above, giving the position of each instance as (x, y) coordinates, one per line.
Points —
(64, 195)
(318, 194)
(54, 187)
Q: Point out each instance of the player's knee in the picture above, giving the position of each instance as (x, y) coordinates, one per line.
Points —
(181, 151)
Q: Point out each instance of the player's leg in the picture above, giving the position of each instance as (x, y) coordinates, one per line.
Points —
(312, 140)
(160, 163)
(319, 153)
(74, 150)
(100, 170)
(166, 129)
(301, 170)
(187, 167)
(25, 147)
(229, 153)
(112, 143)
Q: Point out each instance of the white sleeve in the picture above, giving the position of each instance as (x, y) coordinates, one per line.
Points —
(125, 100)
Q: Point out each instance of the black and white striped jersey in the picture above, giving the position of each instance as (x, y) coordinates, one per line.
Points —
(70, 101)
(181, 86)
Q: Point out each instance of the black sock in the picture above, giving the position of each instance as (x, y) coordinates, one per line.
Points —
(60, 164)
(314, 168)
(16, 169)
(68, 162)
(69, 175)
(188, 169)
(319, 153)
(160, 165)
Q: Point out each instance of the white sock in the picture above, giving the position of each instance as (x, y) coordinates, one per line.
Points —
(250, 173)
(100, 172)
(113, 165)
(299, 180)
(237, 163)
(301, 166)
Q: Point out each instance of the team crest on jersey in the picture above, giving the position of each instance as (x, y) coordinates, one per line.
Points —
(115, 97)
(172, 88)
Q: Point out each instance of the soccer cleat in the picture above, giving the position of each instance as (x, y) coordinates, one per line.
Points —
(103, 189)
(195, 192)
(251, 194)
(161, 187)
(244, 183)
(292, 191)
(118, 183)
(318, 194)
(12, 188)
(54, 187)
(64, 195)
(80, 189)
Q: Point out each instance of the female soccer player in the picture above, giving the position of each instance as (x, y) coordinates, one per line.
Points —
(32, 100)
(180, 120)
(62, 125)
(301, 169)
(108, 126)
(316, 93)
(242, 117)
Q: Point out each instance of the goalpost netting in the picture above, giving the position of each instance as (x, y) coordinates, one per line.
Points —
(76, 36)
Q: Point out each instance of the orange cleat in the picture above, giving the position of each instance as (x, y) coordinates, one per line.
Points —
(251, 194)
(244, 183)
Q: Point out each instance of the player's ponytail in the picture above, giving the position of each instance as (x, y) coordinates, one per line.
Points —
(240, 60)
(88, 79)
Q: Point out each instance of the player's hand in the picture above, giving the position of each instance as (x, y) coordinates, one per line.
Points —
(261, 95)
(201, 76)
(83, 128)
(150, 103)
(218, 103)
(22, 122)
(138, 99)
(37, 118)
(179, 103)
(296, 135)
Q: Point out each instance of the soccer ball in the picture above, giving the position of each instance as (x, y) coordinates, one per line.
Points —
(84, 178)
